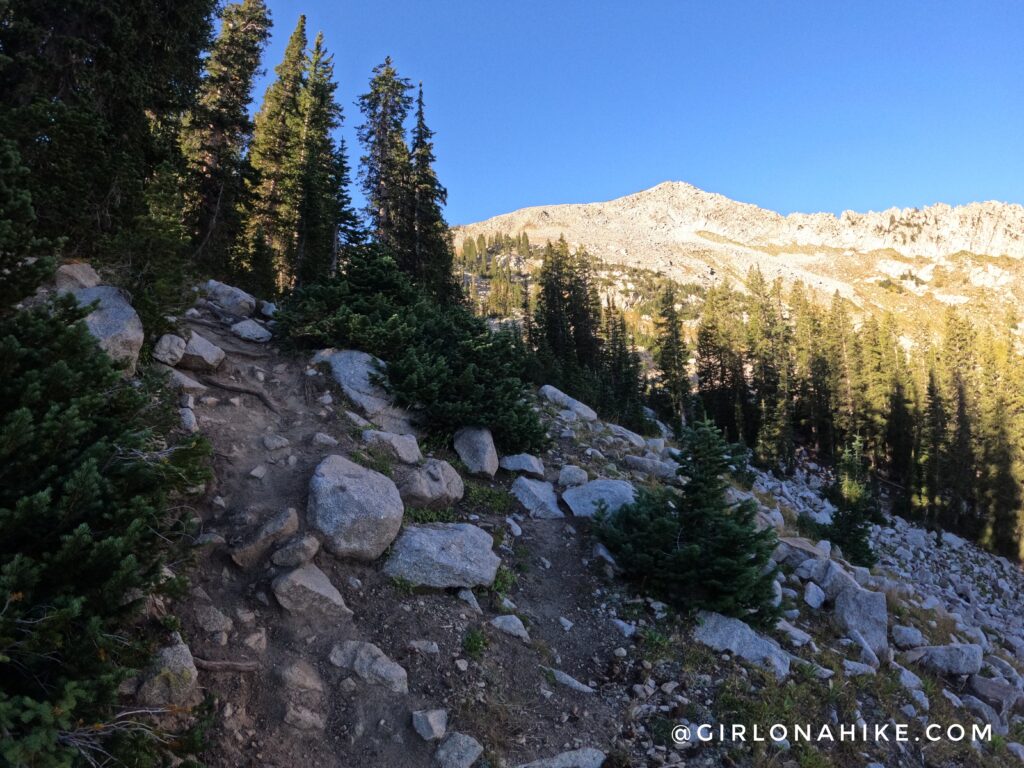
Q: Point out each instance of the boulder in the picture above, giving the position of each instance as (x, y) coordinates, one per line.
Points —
(584, 500)
(357, 510)
(307, 591)
(188, 420)
(72, 277)
(570, 476)
(627, 435)
(169, 349)
(953, 659)
(907, 637)
(444, 555)
(430, 724)
(523, 463)
(357, 373)
(250, 330)
(662, 470)
(577, 758)
(511, 624)
(793, 551)
(813, 595)
(172, 679)
(538, 497)
(436, 484)
(301, 677)
(370, 664)
(562, 400)
(232, 300)
(201, 354)
(114, 323)
(458, 751)
(999, 693)
(475, 447)
(401, 447)
(723, 633)
(296, 552)
(859, 609)
(179, 381)
(277, 528)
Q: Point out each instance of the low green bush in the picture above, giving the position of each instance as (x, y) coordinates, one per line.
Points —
(692, 547)
(87, 466)
(443, 363)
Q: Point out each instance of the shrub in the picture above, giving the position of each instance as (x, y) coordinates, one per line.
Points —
(443, 363)
(84, 531)
(692, 547)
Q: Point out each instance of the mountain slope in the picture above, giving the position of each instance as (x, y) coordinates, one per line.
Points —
(900, 260)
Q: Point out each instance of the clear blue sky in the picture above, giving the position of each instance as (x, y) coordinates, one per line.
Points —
(793, 105)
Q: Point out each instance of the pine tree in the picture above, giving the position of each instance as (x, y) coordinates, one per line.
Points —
(694, 548)
(432, 243)
(25, 259)
(386, 165)
(276, 160)
(217, 132)
(670, 356)
(326, 219)
(851, 522)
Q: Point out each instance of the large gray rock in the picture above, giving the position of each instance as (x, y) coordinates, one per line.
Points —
(511, 624)
(562, 400)
(859, 609)
(570, 476)
(114, 324)
(357, 373)
(72, 277)
(172, 679)
(999, 693)
(458, 751)
(523, 463)
(250, 330)
(306, 591)
(583, 500)
(201, 354)
(444, 555)
(430, 724)
(953, 659)
(180, 381)
(475, 447)
(627, 435)
(723, 633)
(538, 497)
(370, 664)
(793, 551)
(232, 300)
(662, 470)
(907, 637)
(401, 447)
(277, 528)
(577, 758)
(357, 510)
(169, 349)
(436, 484)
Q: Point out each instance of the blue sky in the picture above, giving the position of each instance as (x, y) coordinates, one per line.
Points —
(808, 105)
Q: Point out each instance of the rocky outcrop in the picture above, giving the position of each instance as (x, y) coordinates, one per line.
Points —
(585, 500)
(356, 510)
(357, 373)
(443, 555)
(114, 323)
(435, 484)
(475, 447)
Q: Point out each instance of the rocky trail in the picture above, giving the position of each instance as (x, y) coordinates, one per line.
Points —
(363, 597)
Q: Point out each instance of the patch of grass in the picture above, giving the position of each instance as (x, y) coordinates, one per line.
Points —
(373, 458)
(483, 498)
(474, 643)
(655, 644)
(403, 585)
(422, 515)
(504, 580)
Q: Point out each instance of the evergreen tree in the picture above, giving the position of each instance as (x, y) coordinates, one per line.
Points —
(670, 356)
(25, 259)
(693, 547)
(326, 219)
(386, 165)
(217, 132)
(276, 160)
(91, 94)
(851, 522)
(431, 259)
